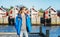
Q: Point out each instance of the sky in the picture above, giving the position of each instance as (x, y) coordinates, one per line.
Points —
(44, 4)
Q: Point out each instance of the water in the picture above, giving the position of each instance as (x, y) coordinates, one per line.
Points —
(53, 30)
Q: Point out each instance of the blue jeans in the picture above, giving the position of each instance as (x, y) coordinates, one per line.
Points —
(24, 32)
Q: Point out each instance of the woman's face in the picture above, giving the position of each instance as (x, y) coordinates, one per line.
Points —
(24, 10)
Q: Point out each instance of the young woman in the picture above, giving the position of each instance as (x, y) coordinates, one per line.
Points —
(23, 23)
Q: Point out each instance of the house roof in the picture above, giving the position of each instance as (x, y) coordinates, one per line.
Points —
(4, 10)
(33, 9)
(51, 8)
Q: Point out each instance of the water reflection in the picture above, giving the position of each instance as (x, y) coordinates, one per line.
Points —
(54, 31)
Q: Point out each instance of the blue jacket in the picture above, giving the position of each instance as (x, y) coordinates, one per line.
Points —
(18, 23)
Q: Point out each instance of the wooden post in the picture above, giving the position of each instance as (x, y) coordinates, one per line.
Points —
(58, 36)
(40, 26)
(40, 29)
(47, 33)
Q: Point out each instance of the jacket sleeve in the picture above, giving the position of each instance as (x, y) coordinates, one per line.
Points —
(16, 22)
(29, 23)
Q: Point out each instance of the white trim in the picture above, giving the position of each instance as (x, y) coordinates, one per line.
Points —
(8, 33)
